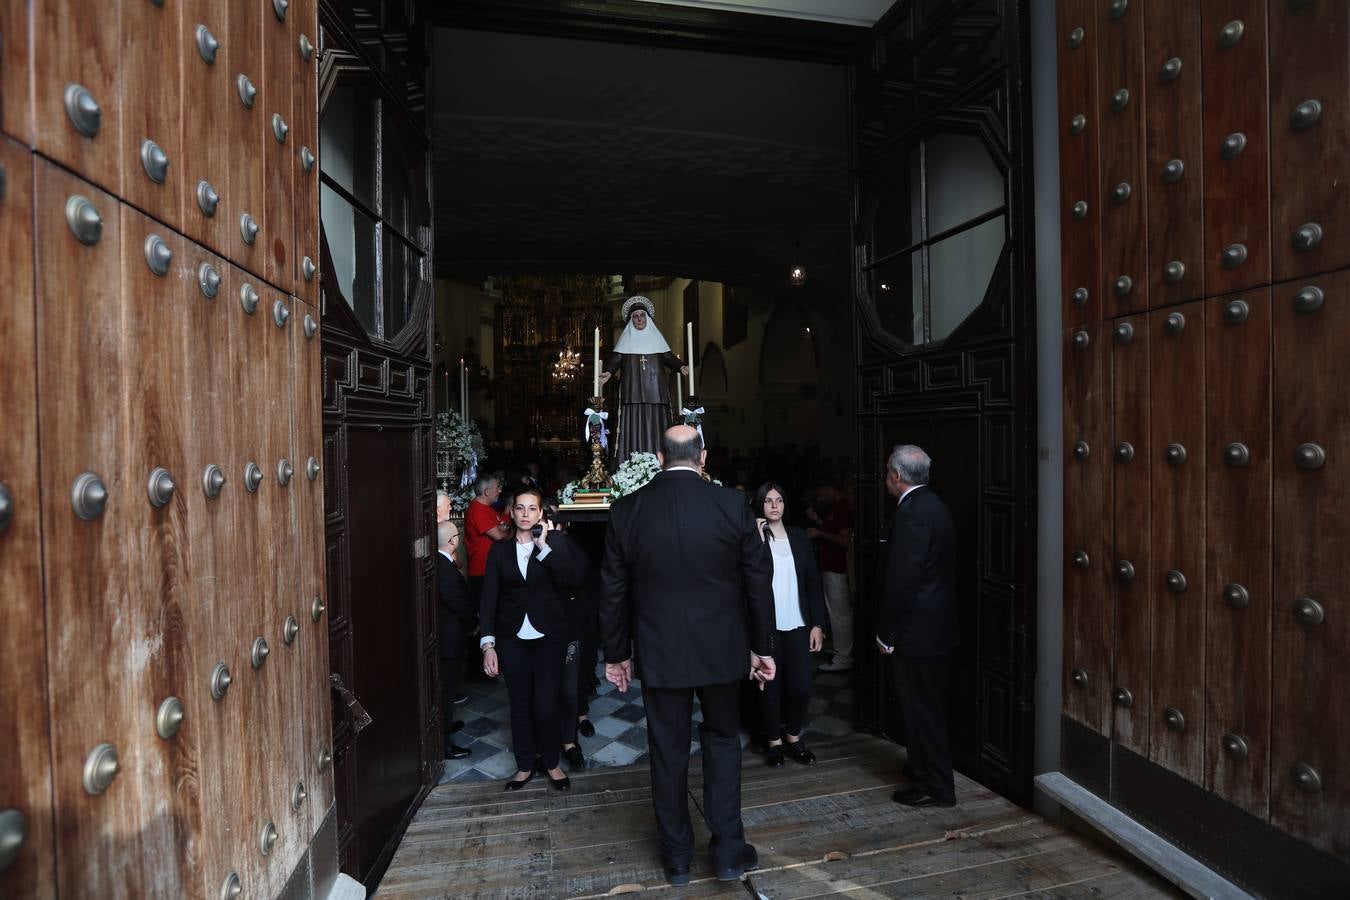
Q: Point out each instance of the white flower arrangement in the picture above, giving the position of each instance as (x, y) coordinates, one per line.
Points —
(635, 472)
(459, 450)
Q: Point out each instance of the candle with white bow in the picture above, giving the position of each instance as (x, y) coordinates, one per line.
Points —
(689, 354)
(595, 389)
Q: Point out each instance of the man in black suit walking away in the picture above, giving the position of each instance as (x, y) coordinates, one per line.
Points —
(687, 581)
(916, 623)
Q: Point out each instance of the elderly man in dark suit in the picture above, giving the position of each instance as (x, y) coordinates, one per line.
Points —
(455, 615)
(687, 582)
(916, 623)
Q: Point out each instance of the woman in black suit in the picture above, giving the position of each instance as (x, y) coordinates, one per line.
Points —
(799, 608)
(525, 588)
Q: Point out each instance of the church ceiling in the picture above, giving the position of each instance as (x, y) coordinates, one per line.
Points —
(623, 157)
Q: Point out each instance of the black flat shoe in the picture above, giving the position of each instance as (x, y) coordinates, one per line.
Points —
(585, 728)
(560, 784)
(514, 785)
(455, 751)
(575, 760)
(678, 876)
(799, 752)
(773, 757)
(918, 798)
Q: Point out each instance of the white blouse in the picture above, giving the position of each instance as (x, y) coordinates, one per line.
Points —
(786, 603)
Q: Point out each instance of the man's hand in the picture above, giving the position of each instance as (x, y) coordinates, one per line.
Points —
(884, 649)
(817, 639)
(605, 377)
(619, 674)
(762, 669)
(684, 370)
(490, 663)
(813, 533)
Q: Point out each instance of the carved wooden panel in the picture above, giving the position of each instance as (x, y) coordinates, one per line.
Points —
(151, 51)
(1079, 178)
(207, 89)
(1087, 591)
(1237, 148)
(1177, 537)
(1309, 138)
(1237, 586)
(1310, 731)
(1123, 192)
(25, 779)
(1174, 160)
(71, 49)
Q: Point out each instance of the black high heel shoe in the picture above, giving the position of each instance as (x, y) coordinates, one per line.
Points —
(799, 752)
(514, 785)
(560, 784)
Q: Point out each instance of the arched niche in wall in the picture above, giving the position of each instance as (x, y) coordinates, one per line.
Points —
(713, 381)
(789, 352)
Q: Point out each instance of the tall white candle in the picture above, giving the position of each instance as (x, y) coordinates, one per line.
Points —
(679, 392)
(463, 392)
(689, 354)
(595, 389)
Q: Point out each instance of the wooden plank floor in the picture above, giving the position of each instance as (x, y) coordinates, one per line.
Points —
(827, 830)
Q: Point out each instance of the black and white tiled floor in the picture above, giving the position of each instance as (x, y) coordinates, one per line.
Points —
(620, 726)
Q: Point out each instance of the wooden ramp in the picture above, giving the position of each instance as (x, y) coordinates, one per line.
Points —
(830, 829)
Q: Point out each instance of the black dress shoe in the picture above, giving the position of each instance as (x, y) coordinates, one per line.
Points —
(514, 785)
(677, 875)
(773, 757)
(455, 751)
(919, 798)
(575, 760)
(799, 752)
(749, 860)
(585, 728)
(560, 784)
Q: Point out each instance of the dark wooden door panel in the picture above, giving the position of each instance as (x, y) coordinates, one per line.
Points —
(16, 74)
(1310, 731)
(150, 109)
(71, 47)
(1087, 589)
(246, 129)
(1309, 145)
(205, 91)
(1237, 588)
(1079, 177)
(1175, 156)
(1123, 190)
(1237, 150)
(279, 47)
(25, 779)
(384, 617)
(303, 150)
(1177, 537)
(1131, 560)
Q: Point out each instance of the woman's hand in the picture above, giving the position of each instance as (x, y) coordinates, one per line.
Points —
(684, 370)
(542, 541)
(817, 639)
(759, 526)
(490, 662)
(605, 377)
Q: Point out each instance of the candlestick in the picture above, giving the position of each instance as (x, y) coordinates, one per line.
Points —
(679, 392)
(595, 389)
(689, 354)
(447, 389)
(463, 393)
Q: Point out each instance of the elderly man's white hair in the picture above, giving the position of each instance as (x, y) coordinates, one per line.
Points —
(910, 463)
(442, 497)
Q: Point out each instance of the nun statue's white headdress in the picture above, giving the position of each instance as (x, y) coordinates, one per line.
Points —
(646, 340)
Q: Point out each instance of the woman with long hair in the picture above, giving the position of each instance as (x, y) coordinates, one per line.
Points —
(799, 608)
(525, 631)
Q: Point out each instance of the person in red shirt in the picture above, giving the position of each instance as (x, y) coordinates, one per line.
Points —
(832, 533)
(483, 526)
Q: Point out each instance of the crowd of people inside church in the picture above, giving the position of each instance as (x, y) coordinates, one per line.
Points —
(541, 633)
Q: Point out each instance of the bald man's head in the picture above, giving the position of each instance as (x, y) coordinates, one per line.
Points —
(681, 446)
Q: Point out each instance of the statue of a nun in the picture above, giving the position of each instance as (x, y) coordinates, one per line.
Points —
(641, 359)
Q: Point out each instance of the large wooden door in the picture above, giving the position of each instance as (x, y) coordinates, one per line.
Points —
(375, 370)
(158, 542)
(944, 323)
(1228, 544)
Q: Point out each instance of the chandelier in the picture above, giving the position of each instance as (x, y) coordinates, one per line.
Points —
(568, 365)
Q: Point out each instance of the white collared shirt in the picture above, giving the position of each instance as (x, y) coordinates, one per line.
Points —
(527, 630)
(682, 469)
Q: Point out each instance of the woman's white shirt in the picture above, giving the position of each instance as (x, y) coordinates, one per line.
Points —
(786, 602)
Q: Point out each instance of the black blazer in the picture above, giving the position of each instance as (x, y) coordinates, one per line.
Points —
(810, 592)
(543, 595)
(918, 606)
(452, 599)
(687, 578)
